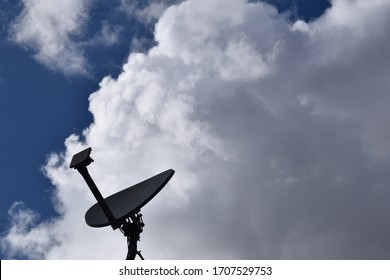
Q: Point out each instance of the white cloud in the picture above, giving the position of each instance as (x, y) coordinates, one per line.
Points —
(277, 132)
(50, 30)
(26, 239)
(147, 14)
(107, 36)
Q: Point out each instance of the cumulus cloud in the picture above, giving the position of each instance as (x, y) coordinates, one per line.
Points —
(50, 30)
(277, 132)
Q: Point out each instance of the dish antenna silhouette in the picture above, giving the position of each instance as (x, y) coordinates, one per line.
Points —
(123, 209)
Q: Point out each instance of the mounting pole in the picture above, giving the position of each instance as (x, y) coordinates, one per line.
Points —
(132, 229)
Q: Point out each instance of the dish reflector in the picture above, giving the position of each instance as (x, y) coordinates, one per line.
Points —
(129, 201)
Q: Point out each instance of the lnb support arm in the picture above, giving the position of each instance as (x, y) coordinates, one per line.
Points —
(80, 161)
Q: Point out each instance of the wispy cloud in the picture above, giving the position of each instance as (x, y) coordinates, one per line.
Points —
(50, 29)
(278, 133)
(148, 13)
(107, 36)
(27, 238)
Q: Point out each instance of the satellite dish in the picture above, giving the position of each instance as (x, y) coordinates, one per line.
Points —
(122, 209)
(128, 201)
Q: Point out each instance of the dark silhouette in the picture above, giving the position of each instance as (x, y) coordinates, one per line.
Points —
(122, 209)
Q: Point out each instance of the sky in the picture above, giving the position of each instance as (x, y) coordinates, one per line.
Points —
(272, 113)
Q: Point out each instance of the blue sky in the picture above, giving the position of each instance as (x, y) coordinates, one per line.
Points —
(40, 107)
(45, 96)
